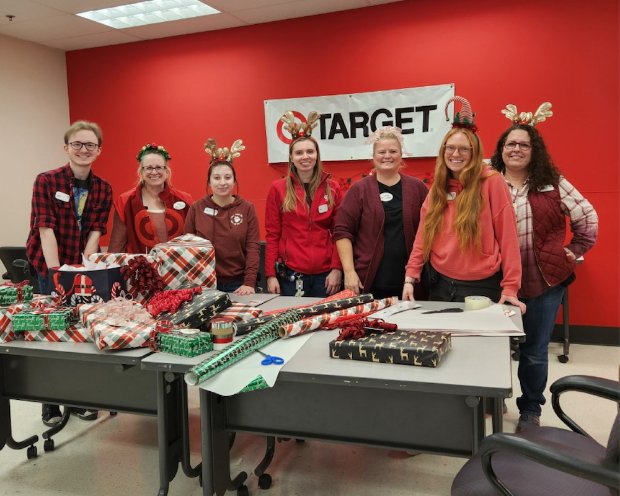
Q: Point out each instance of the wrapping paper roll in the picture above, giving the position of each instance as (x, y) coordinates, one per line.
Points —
(477, 302)
(317, 308)
(234, 352)
(318, 321)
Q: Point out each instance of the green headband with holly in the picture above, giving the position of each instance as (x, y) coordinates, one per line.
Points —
(153, 148)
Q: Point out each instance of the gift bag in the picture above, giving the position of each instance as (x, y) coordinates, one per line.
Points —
(86, 286)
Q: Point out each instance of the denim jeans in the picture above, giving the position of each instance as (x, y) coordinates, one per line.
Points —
(538, 323)
(314, 285)
(230, 286)
(45, 287)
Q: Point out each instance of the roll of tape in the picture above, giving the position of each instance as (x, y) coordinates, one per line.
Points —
(222, 334)
(477, 302)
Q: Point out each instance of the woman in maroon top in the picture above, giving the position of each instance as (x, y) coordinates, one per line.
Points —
(153, 212)
(229, 222)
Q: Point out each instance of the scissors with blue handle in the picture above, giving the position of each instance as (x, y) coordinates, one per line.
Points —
(270, 359)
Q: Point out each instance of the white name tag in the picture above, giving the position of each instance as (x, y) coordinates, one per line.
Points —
(544, 189)
(323, 208)
(210, 211)
(64, 197)
(451, 195)
(386, 197)
(180, 205)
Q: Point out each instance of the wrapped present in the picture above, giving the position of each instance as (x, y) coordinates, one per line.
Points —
(198, 312)
(7, 334)
(185, 342)
(74, 334)
(43, 319)
(186, 261)
(424, 348)
(85, 310)
(15, 293)
(83, 285)
(237, 312)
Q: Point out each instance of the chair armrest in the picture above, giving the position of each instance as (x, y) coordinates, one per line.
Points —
(518, 446)
(597, 386)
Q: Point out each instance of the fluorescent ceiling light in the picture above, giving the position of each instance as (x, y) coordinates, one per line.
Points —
(149, 12)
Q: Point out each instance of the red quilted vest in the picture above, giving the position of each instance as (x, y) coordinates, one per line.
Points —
(549, 233)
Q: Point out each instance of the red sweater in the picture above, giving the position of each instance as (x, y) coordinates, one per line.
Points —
(302, 238)
(498, 236)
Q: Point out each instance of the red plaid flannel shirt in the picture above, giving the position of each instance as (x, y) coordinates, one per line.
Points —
(50, 211)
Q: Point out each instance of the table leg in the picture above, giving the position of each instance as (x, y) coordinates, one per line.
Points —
(168, 412)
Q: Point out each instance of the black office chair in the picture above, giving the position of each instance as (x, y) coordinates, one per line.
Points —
(548, 461)
(17, 267)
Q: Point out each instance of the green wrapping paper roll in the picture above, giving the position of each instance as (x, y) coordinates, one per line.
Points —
(241, 348)
(258, 383)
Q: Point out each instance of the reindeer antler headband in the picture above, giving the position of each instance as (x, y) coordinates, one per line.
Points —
(528, 118)
(223, 154)
(302, 129)
(465, 117)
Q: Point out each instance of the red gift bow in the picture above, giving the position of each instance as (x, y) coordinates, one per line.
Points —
(354, 326)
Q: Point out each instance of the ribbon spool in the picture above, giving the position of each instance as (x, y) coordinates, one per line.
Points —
(477, 302)
(222, 334)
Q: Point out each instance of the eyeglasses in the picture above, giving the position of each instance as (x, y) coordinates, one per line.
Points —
(157, 168)
(77, 145)
(463, 150)
(511, 145)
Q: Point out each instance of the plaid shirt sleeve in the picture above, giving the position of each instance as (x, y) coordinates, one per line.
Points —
(583, 218)
(43, 213)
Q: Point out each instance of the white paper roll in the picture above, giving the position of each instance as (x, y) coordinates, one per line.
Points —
(477, 302)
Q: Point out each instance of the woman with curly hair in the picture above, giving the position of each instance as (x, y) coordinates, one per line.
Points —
(300, 256)
(542, 200)
(467, 236)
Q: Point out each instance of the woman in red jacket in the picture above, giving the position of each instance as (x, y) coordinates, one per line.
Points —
(300, 257)
(153, 212)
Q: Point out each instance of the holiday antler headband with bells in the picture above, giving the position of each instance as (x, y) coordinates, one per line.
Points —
(153, 148)
(528, 118)
(300, 129)
(223, 154)
(465, 117)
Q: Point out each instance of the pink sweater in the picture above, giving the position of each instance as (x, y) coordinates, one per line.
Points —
(499, 243)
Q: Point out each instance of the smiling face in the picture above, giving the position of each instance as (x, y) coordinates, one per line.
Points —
(83, 157)
(457, 153)
(222, 181)
(303, 156)
(517, 151)
(154, 171)
(387, 155)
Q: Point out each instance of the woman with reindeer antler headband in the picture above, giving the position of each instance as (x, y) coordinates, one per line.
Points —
(228, 221)
(542, 200)
(467, 236)
(378, 219)
(300, 257)
(152, 212)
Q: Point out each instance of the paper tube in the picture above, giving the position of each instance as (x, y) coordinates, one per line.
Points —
(241, 348)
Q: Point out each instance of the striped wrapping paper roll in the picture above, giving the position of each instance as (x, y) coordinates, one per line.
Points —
(241, 348)
(313, 323)
(321, 307)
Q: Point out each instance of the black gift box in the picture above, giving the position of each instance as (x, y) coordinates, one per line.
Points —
(197, 313)
(423, 348)
(87, 286)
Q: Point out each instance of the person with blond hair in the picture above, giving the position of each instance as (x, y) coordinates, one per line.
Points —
(378, 219)
(467, 237)
(300, 256)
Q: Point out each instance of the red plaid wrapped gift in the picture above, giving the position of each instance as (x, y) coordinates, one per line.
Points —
(74, 334)
(6, 322)
(186, 261)
(237, 312)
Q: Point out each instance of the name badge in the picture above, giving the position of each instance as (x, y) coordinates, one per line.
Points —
(180, 205)
(451, 195)
(64, 197)
(323, 208)
(210, 211)
(544, 189)
(386, 197)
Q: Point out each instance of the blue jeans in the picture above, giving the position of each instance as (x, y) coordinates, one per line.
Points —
(538, 323)
(45, 287)
(314, 285)
(230, 286)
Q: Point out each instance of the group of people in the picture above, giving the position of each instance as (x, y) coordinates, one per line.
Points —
(496, 230)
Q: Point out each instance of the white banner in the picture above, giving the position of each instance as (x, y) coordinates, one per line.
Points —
(347, 120)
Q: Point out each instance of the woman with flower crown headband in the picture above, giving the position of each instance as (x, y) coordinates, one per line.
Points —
(300, 256)
(467, 235)
(378, 219)
(228, 221)
(542, 200)
(152, 212)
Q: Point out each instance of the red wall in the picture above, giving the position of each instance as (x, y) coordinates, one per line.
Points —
(179, 91)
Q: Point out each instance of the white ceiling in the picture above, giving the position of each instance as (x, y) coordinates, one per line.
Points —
(53, 23)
